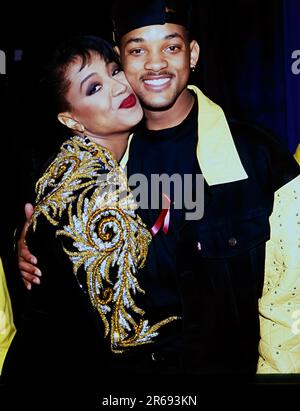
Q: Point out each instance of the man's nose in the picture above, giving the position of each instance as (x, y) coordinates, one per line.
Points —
(156, 62)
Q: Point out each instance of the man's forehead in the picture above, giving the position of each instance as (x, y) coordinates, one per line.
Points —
(133, 14)
(155, 33)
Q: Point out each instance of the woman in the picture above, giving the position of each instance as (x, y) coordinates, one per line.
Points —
(84, 230)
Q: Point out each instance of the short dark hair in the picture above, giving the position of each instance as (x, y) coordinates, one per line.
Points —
(54, 79)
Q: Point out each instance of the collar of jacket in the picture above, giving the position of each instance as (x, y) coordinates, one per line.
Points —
(297, 154)
(217, 155)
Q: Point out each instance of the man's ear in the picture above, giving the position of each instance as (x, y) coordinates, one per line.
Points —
(195, 52)
(67, 120)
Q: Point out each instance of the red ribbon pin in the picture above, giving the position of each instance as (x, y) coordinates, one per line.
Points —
(163, 220)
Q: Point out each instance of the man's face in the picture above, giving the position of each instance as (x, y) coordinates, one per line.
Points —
(156, 60)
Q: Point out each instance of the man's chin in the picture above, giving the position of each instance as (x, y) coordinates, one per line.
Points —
(157, 105)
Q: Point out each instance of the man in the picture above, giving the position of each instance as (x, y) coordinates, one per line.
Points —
(208, 271)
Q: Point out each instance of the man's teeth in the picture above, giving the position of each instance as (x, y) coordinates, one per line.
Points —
(157, 82)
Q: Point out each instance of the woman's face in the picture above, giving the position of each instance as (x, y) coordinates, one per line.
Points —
(100, 97)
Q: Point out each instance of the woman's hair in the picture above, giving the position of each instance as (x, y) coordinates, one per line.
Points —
(54, 80)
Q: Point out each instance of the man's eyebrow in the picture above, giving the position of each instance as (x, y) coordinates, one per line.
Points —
(85, 79)
(134, 40)
(142, 40)
(174, 36)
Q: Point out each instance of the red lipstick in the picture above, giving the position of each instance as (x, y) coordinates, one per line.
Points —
(128, 102)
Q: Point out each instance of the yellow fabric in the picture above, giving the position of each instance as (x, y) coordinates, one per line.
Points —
(218, 158)
(297, 154)
(279, 306)
(124, 159)
(7, 328)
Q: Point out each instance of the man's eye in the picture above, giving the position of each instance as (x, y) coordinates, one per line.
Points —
(136, 51)
(173, 48)
(94, 88)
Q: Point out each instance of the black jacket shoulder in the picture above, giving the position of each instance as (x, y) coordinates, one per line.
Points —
(262, 152)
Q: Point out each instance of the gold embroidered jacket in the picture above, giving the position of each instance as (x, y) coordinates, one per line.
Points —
(84, 194)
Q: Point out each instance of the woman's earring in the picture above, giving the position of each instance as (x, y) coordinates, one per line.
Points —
(82, 129)
(193, 69)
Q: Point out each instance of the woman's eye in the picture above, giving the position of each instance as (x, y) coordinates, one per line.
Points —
(94, 88)
(116, 71)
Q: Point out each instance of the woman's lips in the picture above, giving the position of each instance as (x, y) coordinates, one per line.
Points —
(128, 102)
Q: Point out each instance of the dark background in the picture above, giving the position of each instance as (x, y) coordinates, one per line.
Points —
(245, 66)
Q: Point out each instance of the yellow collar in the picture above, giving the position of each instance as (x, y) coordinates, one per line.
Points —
(297, 154)
(218, 158)
(124, 159)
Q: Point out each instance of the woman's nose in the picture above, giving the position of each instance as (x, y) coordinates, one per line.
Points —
(118, 88)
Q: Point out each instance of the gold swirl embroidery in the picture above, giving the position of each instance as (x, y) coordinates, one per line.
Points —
(118, 247)
(106, 297)
(74, 168)
(108, 240)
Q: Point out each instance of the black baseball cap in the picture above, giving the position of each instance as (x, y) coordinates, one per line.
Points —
(132, 14)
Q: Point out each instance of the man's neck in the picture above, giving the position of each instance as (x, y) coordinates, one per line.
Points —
(159, 120)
